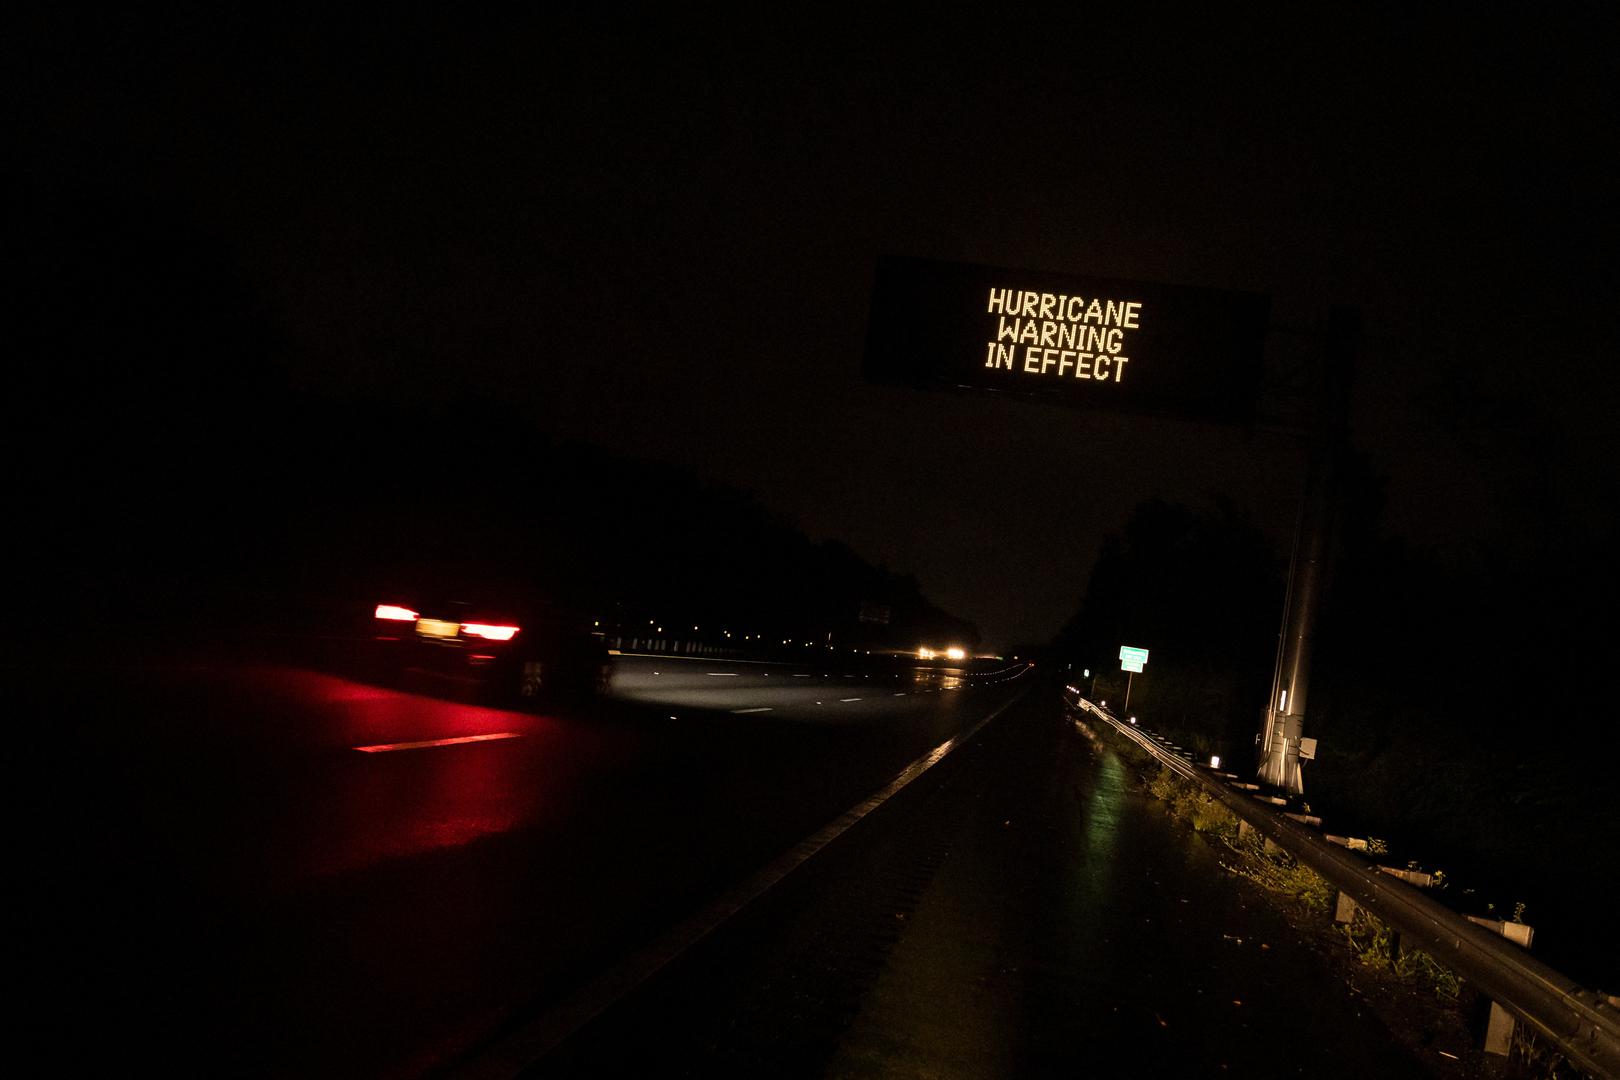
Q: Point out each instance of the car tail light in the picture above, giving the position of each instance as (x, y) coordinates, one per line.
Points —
(488, 632)
(395, 613)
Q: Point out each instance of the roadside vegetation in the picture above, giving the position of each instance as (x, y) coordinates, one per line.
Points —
(1368, 944)
(1243, 851)
(1438, 726)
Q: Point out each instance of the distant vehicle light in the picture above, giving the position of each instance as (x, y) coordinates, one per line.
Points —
(396, 613)
(490, 633)
(1214, 761)
(954, 653)
(925, 654)
(1133, 719)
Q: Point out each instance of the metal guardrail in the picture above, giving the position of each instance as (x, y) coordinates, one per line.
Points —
(1583, 1025)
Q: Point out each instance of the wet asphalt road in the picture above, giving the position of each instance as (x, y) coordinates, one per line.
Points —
(219, 880)
(1024, 911)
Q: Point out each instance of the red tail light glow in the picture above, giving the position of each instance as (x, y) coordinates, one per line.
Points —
(396, 613)
(490, 633)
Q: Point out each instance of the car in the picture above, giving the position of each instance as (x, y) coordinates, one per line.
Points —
(507, 654)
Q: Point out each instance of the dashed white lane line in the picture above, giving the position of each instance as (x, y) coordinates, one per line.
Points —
(722, 674)
(741, 711)
(900, 694)
(849, 699)
(383, 748)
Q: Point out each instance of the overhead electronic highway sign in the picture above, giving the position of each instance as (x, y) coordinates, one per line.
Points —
(1101, 342)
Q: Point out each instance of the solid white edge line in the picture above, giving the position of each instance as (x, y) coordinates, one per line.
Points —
(531, 1043)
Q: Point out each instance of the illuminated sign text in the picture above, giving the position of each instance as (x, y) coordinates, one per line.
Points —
(1134, 346)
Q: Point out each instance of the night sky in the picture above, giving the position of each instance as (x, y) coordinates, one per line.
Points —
(656, 231)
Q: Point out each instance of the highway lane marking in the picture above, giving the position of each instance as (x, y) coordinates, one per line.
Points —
(900, 694)
(801, 676)
(723, 674)
(383, 748)
(741, 711)
(698, 659)
(532, 1042)
(849, 699)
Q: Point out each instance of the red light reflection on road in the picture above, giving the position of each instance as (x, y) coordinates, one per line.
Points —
(471, 771)
(382, 748)
(327, 689)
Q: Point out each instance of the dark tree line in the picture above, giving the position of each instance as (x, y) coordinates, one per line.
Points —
(1201, 590)
(1464, 708)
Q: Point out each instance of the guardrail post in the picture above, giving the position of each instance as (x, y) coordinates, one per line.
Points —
(1499, 1023)
(1499, 1031)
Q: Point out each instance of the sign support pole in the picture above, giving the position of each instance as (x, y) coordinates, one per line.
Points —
(1285, 712)
(1129, 675)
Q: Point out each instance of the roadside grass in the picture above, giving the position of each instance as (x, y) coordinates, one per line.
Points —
(1379, 947)
(1194, 805)
(1280, 873)
(1374, 944)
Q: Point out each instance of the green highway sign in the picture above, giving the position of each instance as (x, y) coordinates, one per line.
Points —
(1130, 654)
(1131, 665)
